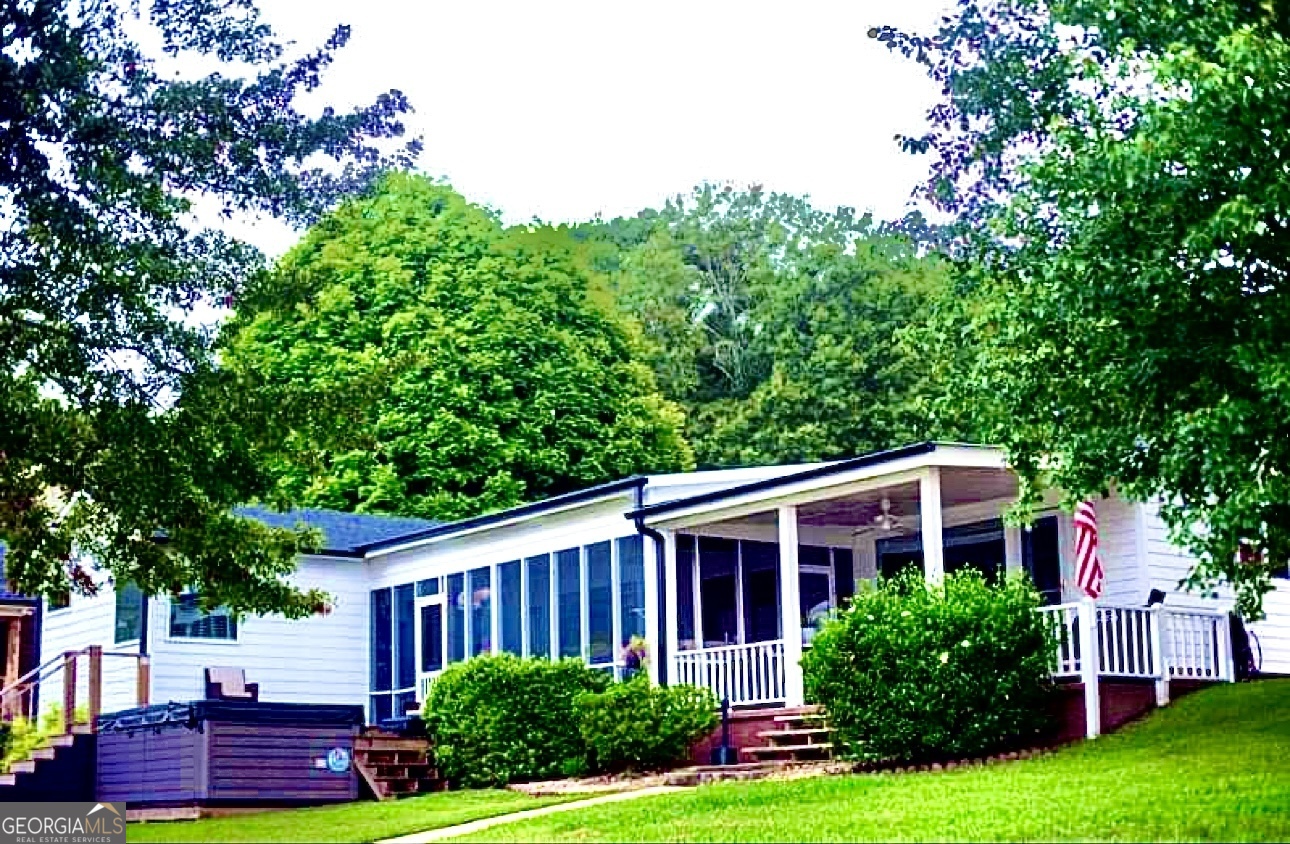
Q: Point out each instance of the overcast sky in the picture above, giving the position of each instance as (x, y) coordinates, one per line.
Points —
(564, 110)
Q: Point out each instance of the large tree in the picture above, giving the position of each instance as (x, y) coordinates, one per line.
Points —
(1119, 171)
(116, 429)
(775, 323)
(495, 370)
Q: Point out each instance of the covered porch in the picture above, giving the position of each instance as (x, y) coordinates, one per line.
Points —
(749, 572)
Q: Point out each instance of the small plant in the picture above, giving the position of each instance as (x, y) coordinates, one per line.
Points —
(26, 734)
(635, 657)
(921, 673)
(634, 725)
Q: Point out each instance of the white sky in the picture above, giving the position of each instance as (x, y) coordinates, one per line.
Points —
(561, 110)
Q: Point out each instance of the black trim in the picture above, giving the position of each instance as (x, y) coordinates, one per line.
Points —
(873, 459)
(660, 577)
(635, 481)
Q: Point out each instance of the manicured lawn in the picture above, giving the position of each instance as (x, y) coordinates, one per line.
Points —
(354, 822)
(1214, 766)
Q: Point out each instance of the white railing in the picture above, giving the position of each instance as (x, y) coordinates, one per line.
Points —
(1150, 643)
(1198, 646)
(746, 674)
(1127, 643)
(1064, 630)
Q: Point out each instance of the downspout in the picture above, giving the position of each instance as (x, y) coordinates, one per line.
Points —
(660, 573)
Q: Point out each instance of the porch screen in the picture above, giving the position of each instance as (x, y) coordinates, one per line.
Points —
(631, 587)
(600, 603)
(511, 609)
(481, 610)
(405, 659)
(717, 581)
(761, 590)
(568, 571)
(456, 617)
(1042, 558)
(685, 639)
(538, 573)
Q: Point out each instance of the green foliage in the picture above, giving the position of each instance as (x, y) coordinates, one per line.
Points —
(1118, 173)
(500, 719)
(636, 725)
(23, 735)
(491, 371)
(774, 323)
(117, 425)
(914, 672)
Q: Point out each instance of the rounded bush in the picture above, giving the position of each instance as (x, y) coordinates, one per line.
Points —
(635, 725)
(918, 673)
(500, 719)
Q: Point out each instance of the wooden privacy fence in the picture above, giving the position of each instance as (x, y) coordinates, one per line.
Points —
(63, 673)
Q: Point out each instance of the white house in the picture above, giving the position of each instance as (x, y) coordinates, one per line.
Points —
(720, 572)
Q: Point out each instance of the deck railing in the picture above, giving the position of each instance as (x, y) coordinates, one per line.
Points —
(746, 674)
(19, 698)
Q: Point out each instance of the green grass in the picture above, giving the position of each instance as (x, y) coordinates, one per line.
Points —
(353, 822)
(1213, 766)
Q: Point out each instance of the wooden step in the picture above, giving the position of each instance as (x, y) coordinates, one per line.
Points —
(804, 716)
(413, 770)
(788, 748)
(60, 741)
(8, 779)
(82, 730)
(27, 766)
(383, 743)
(805, 731)
(46, 753)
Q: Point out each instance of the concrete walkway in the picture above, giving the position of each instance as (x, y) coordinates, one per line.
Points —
(485, 823)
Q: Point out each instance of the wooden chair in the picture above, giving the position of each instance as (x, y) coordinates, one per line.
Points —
(230, 684)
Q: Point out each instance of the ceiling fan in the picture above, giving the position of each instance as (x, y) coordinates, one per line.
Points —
(884, 521)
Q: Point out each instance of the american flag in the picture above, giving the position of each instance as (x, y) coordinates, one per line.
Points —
(1088, 568)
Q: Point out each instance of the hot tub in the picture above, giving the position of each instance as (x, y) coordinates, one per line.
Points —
(210, 753)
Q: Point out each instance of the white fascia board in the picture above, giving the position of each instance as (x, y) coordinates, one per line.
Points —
(500, 523)
(899, 471)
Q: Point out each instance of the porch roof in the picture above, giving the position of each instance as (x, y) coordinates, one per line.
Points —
(827, 478)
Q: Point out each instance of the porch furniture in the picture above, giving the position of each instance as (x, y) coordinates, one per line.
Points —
(230, 684)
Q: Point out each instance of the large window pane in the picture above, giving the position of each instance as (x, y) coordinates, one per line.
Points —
(481, 611)
(569, 588)
(600, 602)
(539, 620)
(717, 560)
(456, 617)
(631, 585)
(405, 633)
(129, 612)
(685, 639)
(979, 546)
(382, 653)
(508, 592)
(761, 591)
(813, 555)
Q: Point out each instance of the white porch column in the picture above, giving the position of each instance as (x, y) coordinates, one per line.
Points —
(650, 562)
(671, 619)
(929, 515)
(790, 609)
(1089, 664)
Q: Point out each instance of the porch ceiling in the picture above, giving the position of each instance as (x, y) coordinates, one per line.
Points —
(958, 486)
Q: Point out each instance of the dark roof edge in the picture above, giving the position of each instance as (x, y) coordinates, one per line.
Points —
(523, 510)
(872, 459)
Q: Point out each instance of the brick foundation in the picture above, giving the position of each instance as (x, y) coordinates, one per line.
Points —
(745, 724)
(1122, 701)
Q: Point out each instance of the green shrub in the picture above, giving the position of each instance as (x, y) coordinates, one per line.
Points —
(635, 725)
(499, 719)
(911, 672)
(23, 735)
